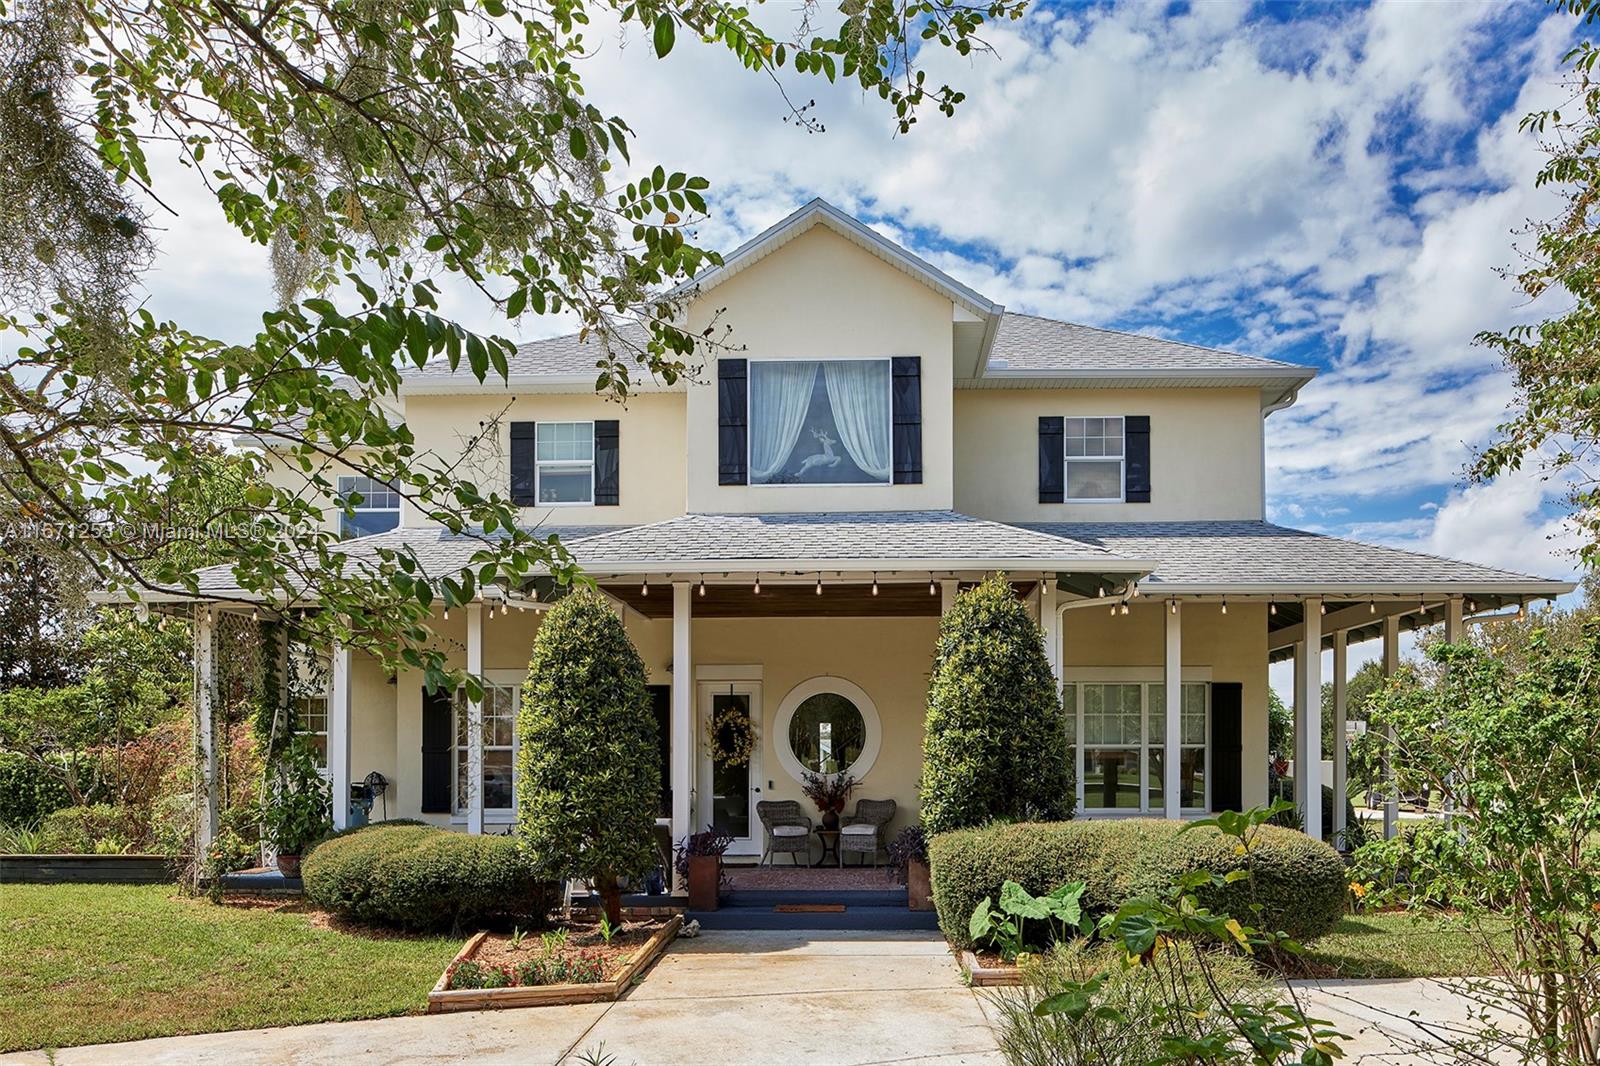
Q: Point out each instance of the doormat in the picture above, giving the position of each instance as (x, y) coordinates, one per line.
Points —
(809, 908)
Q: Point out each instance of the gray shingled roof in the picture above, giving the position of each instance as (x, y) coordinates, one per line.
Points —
(1028, 342)
(1236, 555)
(552, 356)
(915, 537)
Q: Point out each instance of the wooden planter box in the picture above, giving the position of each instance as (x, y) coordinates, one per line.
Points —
(90, 869)
(705, 882)
(443, 998)
(981, 976)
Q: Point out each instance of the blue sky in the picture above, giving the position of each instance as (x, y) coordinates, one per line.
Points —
(1332, 184)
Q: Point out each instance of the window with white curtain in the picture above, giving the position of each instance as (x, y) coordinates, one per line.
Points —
(1095, 463)
(820, 422)
(1118, 731)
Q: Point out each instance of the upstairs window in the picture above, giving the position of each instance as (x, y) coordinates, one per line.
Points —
(375, 506)
(820, 422)
(1095, 462)
(564, 462)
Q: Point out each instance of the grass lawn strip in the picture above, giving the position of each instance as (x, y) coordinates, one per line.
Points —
(1393, 944)
(90, 964)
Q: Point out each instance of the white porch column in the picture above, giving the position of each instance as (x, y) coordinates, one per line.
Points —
(475, 721)
(682, 745)
(1308, 721)
(1050, 624)
(205, 651)
(1341, 753)
(1173, 677)
(339, 735)
(947, 594)
(1391, 784)
(1297, 703)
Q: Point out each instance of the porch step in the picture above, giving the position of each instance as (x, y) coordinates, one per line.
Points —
(767, 898)
(860, 919)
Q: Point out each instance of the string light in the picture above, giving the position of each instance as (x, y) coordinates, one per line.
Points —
(1172, 605)
(819, 584)
(1520, 611)
(702, 585)
(1124, 606)
(1102, 592)
(1471, 606)
(1272, 606)
(1134, 589)
(874, 584)
(1372, 605)
(757, 589)
(1113, 610)
(1224, 606)
(933, 589)
(447, 614)
(1322, 607)
(644, 589)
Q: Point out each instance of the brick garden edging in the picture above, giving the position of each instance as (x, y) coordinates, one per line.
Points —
(443, 998)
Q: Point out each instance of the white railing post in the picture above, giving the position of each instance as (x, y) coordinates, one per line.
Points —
(475, 721)
(1341, 754)
(682, 746)
(1391, 779)
(1308, 726)
(339, 735)
(1173, 674)
(205, 653)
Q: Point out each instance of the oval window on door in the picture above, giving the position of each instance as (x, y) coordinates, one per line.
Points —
(827, 725)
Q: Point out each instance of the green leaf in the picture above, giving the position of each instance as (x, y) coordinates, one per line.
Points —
(665, 32)
(578, 143)
(981, 922)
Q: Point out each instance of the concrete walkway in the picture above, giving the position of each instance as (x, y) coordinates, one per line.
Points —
(724, 998)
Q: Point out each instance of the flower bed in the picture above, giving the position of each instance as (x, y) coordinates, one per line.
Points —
(574, 964)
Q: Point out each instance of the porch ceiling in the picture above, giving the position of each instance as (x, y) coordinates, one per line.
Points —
(838, 600)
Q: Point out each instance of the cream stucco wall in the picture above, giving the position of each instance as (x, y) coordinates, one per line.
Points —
(1233, 646)
(821, 296)
(1205, 453)
(650, 439)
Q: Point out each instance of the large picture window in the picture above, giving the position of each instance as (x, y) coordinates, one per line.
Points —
(820, 422)
(499, 748)
(1095, 461)
(375, 506)
(564, 457)
(1118, 730)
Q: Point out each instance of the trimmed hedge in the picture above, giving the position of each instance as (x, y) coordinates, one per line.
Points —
(1300, 883)
(418, 877)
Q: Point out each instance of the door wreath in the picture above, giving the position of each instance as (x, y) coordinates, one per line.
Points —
(733, 738)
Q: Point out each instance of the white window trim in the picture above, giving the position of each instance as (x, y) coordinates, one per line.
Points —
(514, 680)
(1068, 460)
(1144, 677)
(562, 464)
(749, 435)
(339, 487)
(324, 770)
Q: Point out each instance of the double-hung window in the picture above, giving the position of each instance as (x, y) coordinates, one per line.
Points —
(499, 748)
(311, 722)
(374, 506)
(820, 422)
(1118, 731)
(564, 463)
(1095, 464)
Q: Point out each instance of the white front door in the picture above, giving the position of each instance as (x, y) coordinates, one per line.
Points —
(729, 787)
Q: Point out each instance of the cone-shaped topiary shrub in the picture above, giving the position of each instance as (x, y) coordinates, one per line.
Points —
(588, 781)
(996, 741)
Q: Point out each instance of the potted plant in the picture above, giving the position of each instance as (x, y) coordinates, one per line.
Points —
(908, 859)
(699, 862)
(299, 811)
(830, 792)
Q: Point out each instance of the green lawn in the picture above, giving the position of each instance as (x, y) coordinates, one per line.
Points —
(1397, 944)
(85, 964)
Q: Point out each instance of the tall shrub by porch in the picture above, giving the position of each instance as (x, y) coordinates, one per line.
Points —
(587, 775)
(996, 742)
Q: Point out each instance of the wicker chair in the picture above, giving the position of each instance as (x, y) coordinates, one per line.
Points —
(787, 829)
(863, 831)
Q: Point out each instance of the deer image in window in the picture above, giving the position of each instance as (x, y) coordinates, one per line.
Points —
(825, 459)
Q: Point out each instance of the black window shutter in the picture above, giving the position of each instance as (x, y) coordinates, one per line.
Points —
(524, 473)
(732, 411)
(1052, 459)
(1227, 746)
(607, 464)
(1136, 437)
(906, 402)
(661, 704)
(438, 721)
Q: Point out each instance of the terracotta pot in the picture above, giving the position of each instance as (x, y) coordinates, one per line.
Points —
(705, 875)
(919, 886)
(289, 865)
(830, 820)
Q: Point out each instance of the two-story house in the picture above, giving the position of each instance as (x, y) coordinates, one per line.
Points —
(782, 533)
